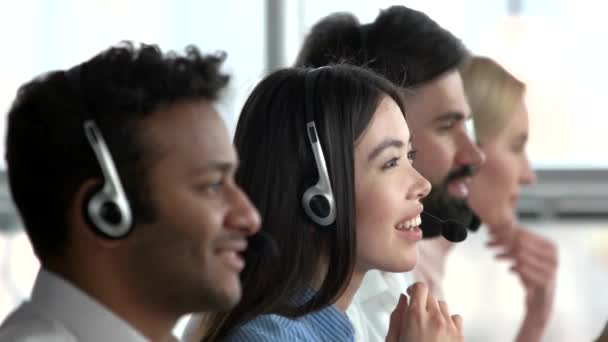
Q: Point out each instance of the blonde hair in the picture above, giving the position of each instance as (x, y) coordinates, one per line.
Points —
(492, 93)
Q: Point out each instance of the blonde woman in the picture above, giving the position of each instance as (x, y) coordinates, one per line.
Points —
(501, 124)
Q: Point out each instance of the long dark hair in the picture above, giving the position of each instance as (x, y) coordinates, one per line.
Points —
(277, 166)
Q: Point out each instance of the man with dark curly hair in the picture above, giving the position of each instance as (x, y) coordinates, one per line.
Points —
(122, 172)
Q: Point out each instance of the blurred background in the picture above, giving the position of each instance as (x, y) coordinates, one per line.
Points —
(556, 46)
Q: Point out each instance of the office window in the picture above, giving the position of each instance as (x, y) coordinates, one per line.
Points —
(554, 46)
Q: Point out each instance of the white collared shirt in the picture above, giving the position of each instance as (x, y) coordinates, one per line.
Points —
(60, 312)
(374, 302)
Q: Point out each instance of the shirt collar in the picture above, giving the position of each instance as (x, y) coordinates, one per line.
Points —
(377, 282)
(87, 319)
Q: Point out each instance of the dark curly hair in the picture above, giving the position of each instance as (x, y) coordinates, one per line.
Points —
(47, 155)
(402, 44)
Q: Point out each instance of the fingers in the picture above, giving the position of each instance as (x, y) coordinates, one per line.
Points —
(443, 307)
(418, 297)
(538, 247)
(535, 258)
(394, 327)
(535, 275)
(426, 319)
(422, 301)
(454, 320)
(432, 305)
(505, 256)
(532, 247)
(538, 259)
(458, 323)
(397, 314)
(540, 262)
(535, 261)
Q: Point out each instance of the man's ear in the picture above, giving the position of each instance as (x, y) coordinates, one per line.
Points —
(82, 228)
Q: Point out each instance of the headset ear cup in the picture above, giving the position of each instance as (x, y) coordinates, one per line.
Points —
(86, 209)
(319, 205)
(106, 213)
(110, 212)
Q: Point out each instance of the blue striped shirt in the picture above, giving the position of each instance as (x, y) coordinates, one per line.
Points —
(327, 324)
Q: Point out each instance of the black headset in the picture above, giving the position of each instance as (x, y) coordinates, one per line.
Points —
(318, 200)
(106, 208)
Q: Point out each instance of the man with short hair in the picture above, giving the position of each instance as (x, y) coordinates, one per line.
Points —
(123, 174)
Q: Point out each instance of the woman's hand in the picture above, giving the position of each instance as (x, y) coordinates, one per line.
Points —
(534, 260)
(423, 319)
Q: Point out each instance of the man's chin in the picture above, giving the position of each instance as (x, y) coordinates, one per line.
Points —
(502, 224)
(227, 298)
(441, 203)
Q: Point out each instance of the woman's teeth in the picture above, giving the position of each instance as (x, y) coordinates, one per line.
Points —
(410, 224)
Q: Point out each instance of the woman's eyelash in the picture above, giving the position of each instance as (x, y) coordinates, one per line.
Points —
(391, 163)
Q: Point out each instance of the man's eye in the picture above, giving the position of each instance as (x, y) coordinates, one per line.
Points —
(211, 188)
(411, 155)
(446, 125)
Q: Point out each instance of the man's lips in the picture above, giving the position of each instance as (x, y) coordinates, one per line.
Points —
(229, 251)
(459, 188)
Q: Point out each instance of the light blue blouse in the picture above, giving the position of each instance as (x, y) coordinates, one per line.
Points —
(327, 324)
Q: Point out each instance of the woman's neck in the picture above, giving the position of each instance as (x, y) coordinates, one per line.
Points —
(353, 286)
